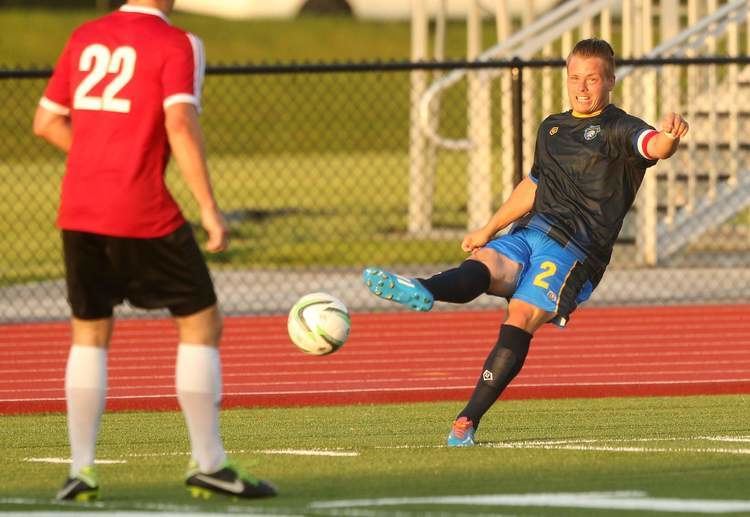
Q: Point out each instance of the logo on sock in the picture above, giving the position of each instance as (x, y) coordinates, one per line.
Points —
(487, 376)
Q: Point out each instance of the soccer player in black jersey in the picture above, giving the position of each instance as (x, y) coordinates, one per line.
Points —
(588, 164)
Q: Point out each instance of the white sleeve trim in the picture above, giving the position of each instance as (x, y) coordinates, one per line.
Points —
(641, 148)
(54, 107)
(199, 60)
(178, 98)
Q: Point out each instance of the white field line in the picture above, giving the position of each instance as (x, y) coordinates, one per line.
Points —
(136, 509)
(605, 448)
(314, 452)
(589, 500)
(631, 440)
(725, 438)
(602, 445)
(578, 444)
(67, 460)
(289, 452)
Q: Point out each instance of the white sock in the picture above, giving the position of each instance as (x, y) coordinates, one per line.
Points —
(198, 382)
(86, 394)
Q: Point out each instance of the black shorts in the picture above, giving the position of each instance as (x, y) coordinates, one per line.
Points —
(166, 272)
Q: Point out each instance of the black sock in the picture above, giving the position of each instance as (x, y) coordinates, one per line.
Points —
(500, 367)
(461, 284)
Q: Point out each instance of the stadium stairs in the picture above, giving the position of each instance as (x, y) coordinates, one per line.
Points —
(708, 182)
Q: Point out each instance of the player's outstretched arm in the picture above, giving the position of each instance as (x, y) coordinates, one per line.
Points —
(520, 202)
(54, 128)
(186, 141)
(664, 145)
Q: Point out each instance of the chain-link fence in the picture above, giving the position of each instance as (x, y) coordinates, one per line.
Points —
(314, 167)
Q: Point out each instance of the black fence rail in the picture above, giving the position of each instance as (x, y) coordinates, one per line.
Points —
(311, 163)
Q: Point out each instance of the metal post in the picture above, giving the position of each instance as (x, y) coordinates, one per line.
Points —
(516, 75)
(669, 26)
(420, 179)
(479, 199)
(506, 105)
(647, 216)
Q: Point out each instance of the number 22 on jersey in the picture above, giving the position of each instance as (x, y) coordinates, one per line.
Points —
(98, 61)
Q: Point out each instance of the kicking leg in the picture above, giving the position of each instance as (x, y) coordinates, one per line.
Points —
(485, 271)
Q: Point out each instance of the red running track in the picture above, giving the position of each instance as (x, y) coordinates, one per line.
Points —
(402, 357)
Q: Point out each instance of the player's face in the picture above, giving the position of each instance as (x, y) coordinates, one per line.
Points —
(588, 84)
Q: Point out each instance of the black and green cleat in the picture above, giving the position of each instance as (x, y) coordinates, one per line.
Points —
(229, 480)
(82, 488)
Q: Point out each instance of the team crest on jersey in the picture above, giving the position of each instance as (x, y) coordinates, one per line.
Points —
(553, 130)
(591, 132)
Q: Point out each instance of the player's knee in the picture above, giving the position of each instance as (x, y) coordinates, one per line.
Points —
(92, 332)
(503, 271)
(217, 328)
(526, 316)
(204, 327)
(486, 256)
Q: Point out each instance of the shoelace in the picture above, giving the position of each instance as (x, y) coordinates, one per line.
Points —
(242, 474)
(462, 425)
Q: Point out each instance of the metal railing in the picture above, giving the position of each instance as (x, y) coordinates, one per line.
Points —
(311, 165)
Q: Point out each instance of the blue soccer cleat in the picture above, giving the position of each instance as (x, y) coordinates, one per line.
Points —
(399, 289)
(462, 433)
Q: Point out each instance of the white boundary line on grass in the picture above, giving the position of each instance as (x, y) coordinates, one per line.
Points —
(68, 460)
(586, 444)
(620, 500)
(604, 448)
(135, 509)
(591, 444)
(288, 452)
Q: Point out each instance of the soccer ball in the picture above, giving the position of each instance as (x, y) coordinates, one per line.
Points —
(318, 323)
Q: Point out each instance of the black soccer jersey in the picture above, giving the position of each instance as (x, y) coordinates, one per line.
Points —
(587, 170)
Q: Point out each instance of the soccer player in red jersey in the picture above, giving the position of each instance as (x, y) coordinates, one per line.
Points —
(124, 96)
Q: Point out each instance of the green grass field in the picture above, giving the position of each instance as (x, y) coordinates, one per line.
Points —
(687, 448)
(36, 36)
(275, 223)
(312, 169)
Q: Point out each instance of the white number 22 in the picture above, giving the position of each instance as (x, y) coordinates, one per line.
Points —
(98, 61)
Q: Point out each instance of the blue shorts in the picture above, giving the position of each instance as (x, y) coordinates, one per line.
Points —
(552, 277)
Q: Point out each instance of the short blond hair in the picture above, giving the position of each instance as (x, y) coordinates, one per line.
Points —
(595, 47)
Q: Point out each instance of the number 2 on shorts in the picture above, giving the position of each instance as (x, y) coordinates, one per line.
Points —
(548, 269)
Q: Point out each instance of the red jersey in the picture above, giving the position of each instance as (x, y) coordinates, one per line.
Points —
(115, 77)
